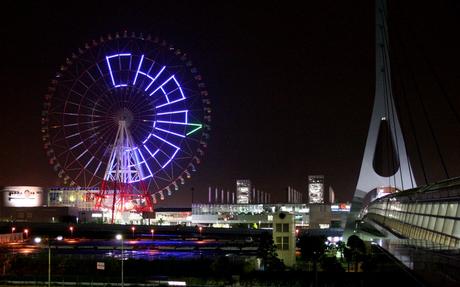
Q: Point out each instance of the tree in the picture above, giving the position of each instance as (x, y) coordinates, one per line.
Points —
(357, 250)
(312, 247)
(267, 252)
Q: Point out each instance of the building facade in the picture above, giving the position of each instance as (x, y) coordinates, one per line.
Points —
(243, 191)
(316, 189)
(284, 237)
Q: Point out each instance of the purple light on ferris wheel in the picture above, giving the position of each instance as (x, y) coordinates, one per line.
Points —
(109, 65)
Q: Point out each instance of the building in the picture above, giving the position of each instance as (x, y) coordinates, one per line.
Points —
(284, 237)
(261, 215)
(243, 191)
(172, 216)
(316, 188)
(320, 216)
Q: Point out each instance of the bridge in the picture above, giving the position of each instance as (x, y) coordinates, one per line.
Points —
(417, 224)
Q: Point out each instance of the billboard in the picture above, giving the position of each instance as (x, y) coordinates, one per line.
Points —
(23, 196)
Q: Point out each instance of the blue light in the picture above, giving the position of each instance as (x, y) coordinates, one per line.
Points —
(171, 144)
(165, 93)
(154, 78)
(170, 159)
(170, 132)
(152, 154)
(107, 58)
(146, 165)
(162, 139)
(138, 68)
(174, 112)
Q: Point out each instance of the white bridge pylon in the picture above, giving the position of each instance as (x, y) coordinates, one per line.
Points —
(383, 113)
(384, 110)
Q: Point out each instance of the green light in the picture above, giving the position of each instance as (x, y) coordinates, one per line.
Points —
(197, 127)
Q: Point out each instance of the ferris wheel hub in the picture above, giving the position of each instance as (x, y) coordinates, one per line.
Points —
(125, 115)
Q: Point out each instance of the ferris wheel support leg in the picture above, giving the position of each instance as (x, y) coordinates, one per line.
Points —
(114, 201)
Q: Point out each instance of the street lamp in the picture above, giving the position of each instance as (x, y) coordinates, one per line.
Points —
(26, 232)
(38, 240)
(13, 229)
(120, 237)
(71, 231)
(200, 229)
(152, 231)
(133, 228)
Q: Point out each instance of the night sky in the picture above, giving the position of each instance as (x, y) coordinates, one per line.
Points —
(291, 86)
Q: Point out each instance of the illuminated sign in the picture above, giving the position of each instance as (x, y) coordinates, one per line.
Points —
(340, 207)
(243, 189)
(316, 189)
(22, 196)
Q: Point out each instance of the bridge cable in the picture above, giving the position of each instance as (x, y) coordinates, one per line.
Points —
(414, 131)
(410, 116)
(390, 103)
(424, 110)
(437, 79)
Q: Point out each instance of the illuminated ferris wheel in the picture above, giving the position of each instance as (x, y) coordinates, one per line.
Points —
(127, 113)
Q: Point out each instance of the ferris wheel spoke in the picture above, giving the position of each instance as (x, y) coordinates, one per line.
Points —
(80, 105)
(80, 115)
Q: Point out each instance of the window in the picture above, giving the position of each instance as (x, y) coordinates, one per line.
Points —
(431, 222)
(285, 227)
(278, 243)
(442, 209)
(428, 208)
(439, 224)
(448, 226)
(282, 243)
(278, 227)
(456, 231)
(425, 221)
(452, 209)
(285, 243)
(423, 208)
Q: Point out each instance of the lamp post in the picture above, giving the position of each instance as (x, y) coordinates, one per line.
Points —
(71, 231)
(26, 232)
(38, 240)
(120, 237)
(133, 228)
(152, 231)
(13, 229)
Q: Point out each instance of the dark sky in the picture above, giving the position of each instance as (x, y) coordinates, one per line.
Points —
(291, 85)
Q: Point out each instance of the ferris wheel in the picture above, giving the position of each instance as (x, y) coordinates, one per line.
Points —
(128, 109)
